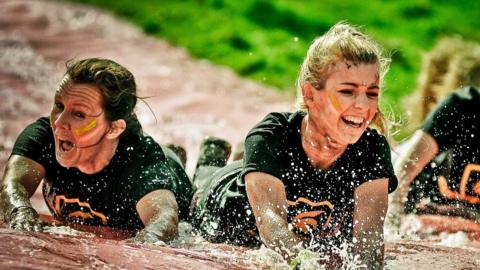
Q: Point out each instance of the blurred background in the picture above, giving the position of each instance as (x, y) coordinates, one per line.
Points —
(266, 40)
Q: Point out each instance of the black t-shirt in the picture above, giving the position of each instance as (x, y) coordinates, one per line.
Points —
(109, 197)
(320, 201)
(455, 126)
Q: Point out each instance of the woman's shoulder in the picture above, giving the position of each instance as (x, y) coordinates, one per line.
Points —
(466, 98)
(140, 148)
(371, 138)
(277, 121)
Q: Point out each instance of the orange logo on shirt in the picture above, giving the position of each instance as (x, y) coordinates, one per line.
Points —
(462, 194)
(316, 212)
(86, 213)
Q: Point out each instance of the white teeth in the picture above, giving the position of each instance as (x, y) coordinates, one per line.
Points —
(353, 119)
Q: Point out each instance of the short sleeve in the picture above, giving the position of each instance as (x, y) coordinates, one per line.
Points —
(36, 142)
(443, 122)
(377, 160)
(454, 117)
(155, 171)
(262, 155)
(264, 146)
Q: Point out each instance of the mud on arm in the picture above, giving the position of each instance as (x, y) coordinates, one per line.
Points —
(158, 211)
(371, 199)
(268, 200)
(20, 180)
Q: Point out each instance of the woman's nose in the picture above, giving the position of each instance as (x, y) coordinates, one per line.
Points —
(61, 120)
(361, 101)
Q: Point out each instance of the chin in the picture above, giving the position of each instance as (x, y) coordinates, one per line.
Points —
(67, 163)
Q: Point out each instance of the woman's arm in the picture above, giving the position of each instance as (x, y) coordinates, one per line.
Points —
(421, 150)
(158, 211)
(268, 200)
(371, 199)
(21, 179)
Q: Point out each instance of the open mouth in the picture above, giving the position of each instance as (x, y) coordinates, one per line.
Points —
(353, 121)
(66, 146)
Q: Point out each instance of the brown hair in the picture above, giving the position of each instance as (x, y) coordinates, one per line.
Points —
(117, 87)
(342, 42)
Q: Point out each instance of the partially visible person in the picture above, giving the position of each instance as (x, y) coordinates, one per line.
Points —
(97, 166)
(319, 176)
(438, 167)
(451, 64)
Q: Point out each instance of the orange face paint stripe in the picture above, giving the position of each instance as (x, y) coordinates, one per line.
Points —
(335, 101)
(87, 128)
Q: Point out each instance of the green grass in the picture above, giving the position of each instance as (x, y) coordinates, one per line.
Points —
(267, 40)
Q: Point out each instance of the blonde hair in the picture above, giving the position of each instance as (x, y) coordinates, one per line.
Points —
(451, 64)
(342, 42)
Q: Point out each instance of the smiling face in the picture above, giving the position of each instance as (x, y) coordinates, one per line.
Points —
(347, 104)
(79, 125)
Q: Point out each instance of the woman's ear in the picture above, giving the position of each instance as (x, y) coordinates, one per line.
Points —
(117, 128)
(307, 92)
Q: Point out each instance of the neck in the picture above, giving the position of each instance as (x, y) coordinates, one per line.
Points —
(104, 154)
(319, 147)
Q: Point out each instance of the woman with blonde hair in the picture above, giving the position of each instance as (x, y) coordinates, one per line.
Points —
(319, 176)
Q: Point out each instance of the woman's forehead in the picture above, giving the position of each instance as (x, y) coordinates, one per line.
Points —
(79, 92)
(361, 73)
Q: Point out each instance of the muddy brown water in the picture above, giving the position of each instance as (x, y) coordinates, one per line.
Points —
(190, 99)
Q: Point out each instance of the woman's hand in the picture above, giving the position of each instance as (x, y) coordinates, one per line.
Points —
(25, 218)
(147, 236)
(21, 179)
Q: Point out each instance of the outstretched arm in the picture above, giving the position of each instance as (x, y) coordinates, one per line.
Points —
(158, 211)
(421, 150)
(371, 199)
(268, 200)
(21, 179)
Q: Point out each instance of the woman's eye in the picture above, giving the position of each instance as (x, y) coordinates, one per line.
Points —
(79, 115)
(372, 95)
(346, 92)
(58, 105)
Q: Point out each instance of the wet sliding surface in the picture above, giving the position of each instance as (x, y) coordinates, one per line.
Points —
(39, 250)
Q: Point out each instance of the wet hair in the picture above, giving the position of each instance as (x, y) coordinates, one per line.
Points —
(451, 64)
(342, 42)
(117, 87)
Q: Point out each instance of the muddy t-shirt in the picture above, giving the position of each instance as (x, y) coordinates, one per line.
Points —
(109, 197)
(320, 202)
(455, 126)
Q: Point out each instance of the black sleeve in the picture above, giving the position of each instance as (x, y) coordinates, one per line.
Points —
(261, 154)
(155, 172)
(36, 142)
(378, 162)
(445, 122)
(263, 147)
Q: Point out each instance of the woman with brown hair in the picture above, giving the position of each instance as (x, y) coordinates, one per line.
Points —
(97, 166)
